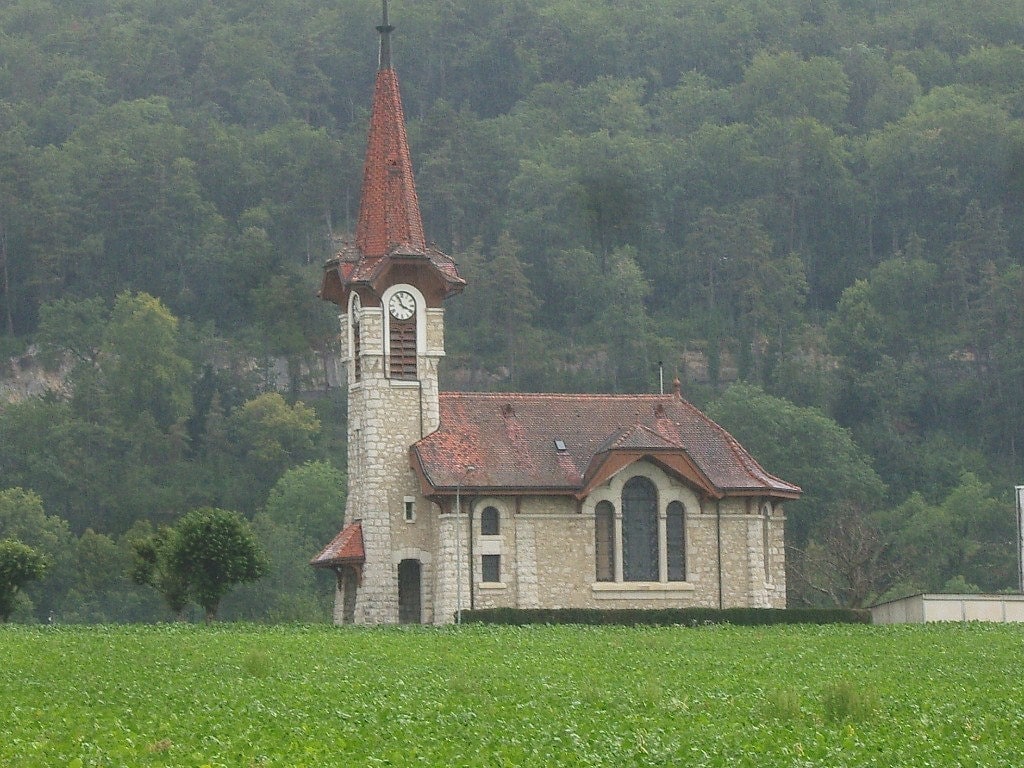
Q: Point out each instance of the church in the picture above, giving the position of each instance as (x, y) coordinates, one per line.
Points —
(465, 500)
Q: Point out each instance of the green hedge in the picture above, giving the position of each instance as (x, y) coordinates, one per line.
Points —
(691, 617)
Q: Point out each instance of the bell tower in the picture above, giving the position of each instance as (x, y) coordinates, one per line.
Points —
(389, 285)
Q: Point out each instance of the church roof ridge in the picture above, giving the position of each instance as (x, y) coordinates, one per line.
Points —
(546, 441)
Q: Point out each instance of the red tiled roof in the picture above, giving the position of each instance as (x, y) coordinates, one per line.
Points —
(354, 267)
(345, 549)
(510, 439)
(389, 211)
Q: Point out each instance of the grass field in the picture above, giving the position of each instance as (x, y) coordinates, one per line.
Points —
(950, 695)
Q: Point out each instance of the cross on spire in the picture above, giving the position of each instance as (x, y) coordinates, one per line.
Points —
(385, 30)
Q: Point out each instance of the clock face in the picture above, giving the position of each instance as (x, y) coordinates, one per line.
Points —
(402, 305)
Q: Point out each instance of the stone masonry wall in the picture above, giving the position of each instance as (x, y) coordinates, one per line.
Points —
(386, 416)
(547, 559)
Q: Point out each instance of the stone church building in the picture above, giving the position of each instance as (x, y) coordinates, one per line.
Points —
(462, 500)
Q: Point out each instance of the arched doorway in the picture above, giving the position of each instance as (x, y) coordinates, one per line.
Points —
(348, 581)
(409, 599)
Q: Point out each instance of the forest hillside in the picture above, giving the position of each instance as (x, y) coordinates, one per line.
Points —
(810, 211)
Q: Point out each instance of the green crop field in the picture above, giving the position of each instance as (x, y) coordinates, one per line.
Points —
(230, 695)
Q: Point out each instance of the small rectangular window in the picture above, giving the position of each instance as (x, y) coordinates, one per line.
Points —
(410, 509)
(491, 568)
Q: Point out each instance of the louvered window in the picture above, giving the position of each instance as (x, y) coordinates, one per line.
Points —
(403, 349)
(639, 530)
(675, 535)
(604, 541)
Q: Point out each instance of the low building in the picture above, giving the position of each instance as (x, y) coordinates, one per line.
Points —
(922, 608)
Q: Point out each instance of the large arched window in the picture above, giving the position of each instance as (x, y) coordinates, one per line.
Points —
(675, 541)
(604, 540)
(639, 530)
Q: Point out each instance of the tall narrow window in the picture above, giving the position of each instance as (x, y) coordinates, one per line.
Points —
(357, 360)
(489, 522)
(639, 530)
(357, 347)
(403, 349)
(766, 541)
(675, 541)
(604, 541)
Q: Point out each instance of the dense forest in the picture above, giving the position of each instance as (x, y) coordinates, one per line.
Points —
(811, 211)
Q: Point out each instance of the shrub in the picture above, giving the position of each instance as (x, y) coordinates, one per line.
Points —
(666, 616)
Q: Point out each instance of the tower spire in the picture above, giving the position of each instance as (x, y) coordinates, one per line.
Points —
(389, 227)
(389, 212)
(385, 30)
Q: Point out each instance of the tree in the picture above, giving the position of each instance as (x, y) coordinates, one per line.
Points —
(803, 446)
(211, 551)
(144, 370)
(851, 561)
(969, 534)
(511, 299)
(152, 565)
(785, 86)
(311, 500)
(19, 564)
(268, 436)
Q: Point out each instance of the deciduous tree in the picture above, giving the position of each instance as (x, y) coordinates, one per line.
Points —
(19, 564)
(211, 551)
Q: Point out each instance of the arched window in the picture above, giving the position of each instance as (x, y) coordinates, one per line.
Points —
(639, 530)
(489, 522)
(675, 541)
(604, 540)
(357, 360)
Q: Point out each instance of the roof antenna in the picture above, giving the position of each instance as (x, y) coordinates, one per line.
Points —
(385, 30)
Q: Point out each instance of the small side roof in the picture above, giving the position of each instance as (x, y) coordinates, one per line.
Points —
(345, 549)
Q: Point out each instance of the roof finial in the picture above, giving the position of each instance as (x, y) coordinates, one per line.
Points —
(385, 30)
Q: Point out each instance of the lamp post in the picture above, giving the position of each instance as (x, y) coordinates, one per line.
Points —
(458, 542)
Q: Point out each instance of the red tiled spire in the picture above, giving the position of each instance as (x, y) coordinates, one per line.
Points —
(389, 228)
(389, 210)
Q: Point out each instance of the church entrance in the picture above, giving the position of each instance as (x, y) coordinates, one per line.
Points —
(349, 580)
(409, 592)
